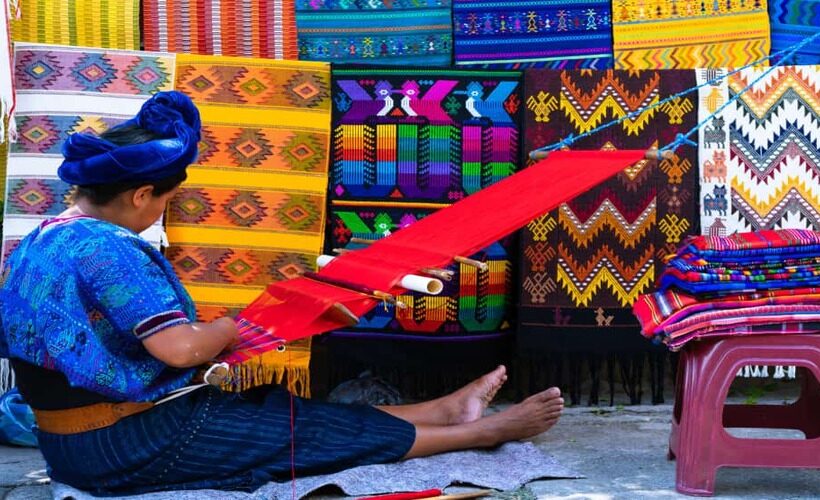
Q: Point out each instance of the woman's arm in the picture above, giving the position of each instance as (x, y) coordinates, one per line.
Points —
(192, 344)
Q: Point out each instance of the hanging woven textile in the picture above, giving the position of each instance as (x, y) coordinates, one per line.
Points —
(252, 211)
(401, 32)
(514, 34)
(792, 22)
(585, 263)
(760, 157)
(82, 23)
(252, 28)
(406, 143)
(61, 91)
(688, 34)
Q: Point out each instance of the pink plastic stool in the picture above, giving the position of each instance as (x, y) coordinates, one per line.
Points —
(699, 439)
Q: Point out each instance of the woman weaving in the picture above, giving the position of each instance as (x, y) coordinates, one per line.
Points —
(98, 327)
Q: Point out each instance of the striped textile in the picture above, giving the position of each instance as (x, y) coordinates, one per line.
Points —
(516, 34)
(407, 142)
(251, 28)
(83, 23)
(773, 325)
(400, 32)
(61, 91)
(210, 439)
(673, 34)
(657, 311)
(792, 22)
(253, 208)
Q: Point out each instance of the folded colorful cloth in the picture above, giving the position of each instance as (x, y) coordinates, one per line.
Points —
(676, 343)
(657, 310)
(716, 320)
(762, 260)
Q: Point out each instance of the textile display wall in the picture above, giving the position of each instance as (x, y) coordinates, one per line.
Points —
(61, 91)
(673, 34)
(85, 23)
(407, 142)
(513, 34)
(760, 158)
(401, 32)
(253, 208)
(253, 28)
(792, 22)
(585, 263)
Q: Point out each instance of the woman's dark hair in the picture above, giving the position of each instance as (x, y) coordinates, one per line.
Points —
(102, 194)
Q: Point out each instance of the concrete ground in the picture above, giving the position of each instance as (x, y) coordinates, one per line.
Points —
(621, 451)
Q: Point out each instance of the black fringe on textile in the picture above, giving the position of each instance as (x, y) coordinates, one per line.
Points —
(420, 369)
(617, 374)
(610, 368)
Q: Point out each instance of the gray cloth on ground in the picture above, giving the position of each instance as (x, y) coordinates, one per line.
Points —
(505, 468)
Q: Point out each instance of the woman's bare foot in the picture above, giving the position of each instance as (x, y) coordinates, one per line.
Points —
(468, 403)
(531, 417)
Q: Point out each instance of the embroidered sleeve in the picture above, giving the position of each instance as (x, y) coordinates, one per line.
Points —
(131, 285)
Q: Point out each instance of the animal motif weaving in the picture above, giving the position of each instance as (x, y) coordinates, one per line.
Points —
(401, 32)
(675, 34)
(252, 28)
(792, 22)
(83, 23)
(513, 34)
(586, 262)
(760, 157)
(406, 143)
(252, 211)
(61, 91)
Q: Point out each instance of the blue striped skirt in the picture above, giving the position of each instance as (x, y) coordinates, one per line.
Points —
(215, 440)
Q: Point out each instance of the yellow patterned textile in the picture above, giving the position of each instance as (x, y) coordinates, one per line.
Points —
(84, 23)
(253, 208)
(687, 34)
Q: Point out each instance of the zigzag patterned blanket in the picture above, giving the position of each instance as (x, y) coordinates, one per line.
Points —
(61, 91)
(584, 264)
(760, 158)
(687, 34)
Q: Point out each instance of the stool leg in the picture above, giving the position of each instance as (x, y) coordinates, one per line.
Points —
(808, 404)
(702, 406)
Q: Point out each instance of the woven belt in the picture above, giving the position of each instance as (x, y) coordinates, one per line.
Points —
(86, 418)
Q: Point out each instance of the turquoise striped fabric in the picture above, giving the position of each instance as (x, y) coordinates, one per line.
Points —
(398, 32)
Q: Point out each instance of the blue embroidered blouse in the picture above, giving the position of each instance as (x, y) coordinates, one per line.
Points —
(79, 296)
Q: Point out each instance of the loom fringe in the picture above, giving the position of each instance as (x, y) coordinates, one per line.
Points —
(267, 368)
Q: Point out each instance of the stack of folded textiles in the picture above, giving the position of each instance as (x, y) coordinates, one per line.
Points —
(764, 282)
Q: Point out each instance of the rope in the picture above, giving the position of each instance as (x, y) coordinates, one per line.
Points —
(681, 139)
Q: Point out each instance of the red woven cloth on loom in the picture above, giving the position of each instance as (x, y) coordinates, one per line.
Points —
(297, 308)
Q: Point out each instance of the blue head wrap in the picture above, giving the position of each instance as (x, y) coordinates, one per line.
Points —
(171, 115)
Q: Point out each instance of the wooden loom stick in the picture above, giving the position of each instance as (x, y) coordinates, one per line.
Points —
(442, 274)
(458, 258)
(461, 496)
(376, 294)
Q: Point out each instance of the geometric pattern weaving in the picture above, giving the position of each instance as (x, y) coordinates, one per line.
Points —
(61, 91)
(407, 142)
(82, 23)
(672, 34)
(251, 28)
(401, 32)
(585, 263)
(517, 34)
(761, 155)
(253, 208)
